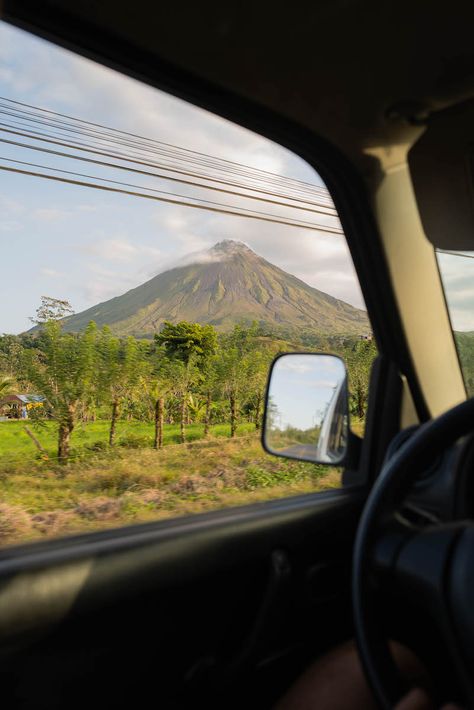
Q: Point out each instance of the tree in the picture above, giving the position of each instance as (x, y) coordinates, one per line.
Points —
(232, 376)
(7, 385)
(63, 371)
(196, 407)
(119, 372)
(256, 365)
(243, 371)
(208, 387)
(11, 356)
(196, 344)
(182, 376)
(185, 340)
(359, 359)
(51, 309)
(156, 387)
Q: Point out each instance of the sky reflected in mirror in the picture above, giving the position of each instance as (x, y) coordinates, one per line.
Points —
(302, 386)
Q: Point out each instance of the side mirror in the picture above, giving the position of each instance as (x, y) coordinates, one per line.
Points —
(306, 408)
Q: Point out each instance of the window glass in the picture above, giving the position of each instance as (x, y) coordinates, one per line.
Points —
(457, 273)
(156, 258)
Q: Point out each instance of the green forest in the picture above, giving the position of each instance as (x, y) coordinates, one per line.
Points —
(136, 429)
(130, 430)
(187, 375)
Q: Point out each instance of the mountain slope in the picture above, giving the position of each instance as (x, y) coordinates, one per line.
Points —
(227, 285)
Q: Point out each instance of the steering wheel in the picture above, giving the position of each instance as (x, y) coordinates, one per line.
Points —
(434, 564)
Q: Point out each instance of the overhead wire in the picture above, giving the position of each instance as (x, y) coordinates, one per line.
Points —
(76, 145)
(254, 174)
(179, 148)
(117, 166)
(65, 138)
(222, 209)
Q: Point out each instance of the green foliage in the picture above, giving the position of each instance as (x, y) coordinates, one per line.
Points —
(100, 415)
(186, 340)
(465, 346)
(359, 358)
(63, 371)
(137, 485)
(199, 376)
(88, 439)
(7, 385)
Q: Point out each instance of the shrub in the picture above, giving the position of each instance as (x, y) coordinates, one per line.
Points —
(15, 522)
(135, 441)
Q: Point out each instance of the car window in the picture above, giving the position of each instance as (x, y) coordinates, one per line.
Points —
(457, 271)
(156, 259)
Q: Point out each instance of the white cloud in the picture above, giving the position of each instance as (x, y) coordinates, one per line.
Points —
(50, 214)
(103, 283)
(87, 208)
(111, 249)
(130, 239)
(52, 77)
(46, 271)
(10, 206)
(10, 225)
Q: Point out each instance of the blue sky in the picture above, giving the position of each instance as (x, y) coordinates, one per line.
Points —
(87, 246)
(301, 388)
(457, 273)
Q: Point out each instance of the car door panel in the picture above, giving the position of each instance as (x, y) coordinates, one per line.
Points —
(188, 608)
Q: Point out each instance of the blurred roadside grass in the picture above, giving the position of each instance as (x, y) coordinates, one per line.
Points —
(104, 487)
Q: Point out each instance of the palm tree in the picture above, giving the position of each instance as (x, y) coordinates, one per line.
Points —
(7, 385)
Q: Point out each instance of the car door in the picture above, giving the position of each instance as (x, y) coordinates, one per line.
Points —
(222, 607)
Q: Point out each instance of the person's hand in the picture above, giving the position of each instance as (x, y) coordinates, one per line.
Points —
(417, 699)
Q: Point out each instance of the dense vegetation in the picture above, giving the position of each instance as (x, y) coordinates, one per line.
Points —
(187, 375)
(134, 429)
(465, 346)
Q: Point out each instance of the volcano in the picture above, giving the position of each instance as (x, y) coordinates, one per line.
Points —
(225, 285)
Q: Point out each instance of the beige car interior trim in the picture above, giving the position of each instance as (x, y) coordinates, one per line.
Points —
(413, 268)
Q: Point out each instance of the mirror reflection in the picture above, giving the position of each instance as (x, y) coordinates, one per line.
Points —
(307, 408)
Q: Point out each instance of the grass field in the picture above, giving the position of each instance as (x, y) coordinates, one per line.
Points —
(103, 487)
(16, 446)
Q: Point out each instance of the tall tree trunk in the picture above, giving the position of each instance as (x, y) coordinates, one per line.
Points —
(66, 426)
(360, 403)
(159, 409)
(182, 418)
(113, 421)
(257, 411)
(207, 416)
(233, 414)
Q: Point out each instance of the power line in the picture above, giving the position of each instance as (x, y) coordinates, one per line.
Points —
(65, 139)
(75, 145)
(223, 209)
(177, 154)
(168, 178)
(136, 187)
(98, 125)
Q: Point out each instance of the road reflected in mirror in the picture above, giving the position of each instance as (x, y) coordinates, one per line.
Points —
(307, 408)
